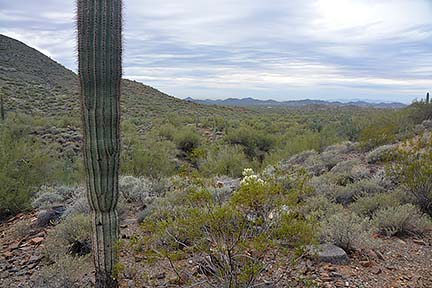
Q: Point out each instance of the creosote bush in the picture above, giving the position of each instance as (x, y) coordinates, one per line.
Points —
(234, 234)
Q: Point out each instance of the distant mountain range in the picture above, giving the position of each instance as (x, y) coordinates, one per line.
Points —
(250, 102)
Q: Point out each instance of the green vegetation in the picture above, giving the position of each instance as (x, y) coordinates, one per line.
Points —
(227, 189)
(234, 236)
(25, 165)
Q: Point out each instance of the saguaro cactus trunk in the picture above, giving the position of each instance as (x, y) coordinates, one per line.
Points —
(99, 52)
(2, 111)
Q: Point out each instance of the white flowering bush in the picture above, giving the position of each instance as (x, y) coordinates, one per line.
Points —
(250, 178)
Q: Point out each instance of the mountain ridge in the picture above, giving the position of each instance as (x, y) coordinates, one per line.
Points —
(36, 84)
(251, 102)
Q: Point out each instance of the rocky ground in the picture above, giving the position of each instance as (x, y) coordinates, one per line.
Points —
(395, 262)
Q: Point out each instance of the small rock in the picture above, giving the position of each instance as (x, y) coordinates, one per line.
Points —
(36, 240)
(330, 253)
(401, 241)
(8, 254)
(371, 254)
(159, 276)
(35, 258)
(325, 277)
(380, 255)
(366, 263)
(419, 241)
(329, 268)
(46, 217)
(4, 275)
(14, 245)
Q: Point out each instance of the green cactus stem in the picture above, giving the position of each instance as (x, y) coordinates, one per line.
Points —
(99, 25)
(2, 111)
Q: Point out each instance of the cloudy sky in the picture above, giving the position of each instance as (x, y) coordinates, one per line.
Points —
(279, 49)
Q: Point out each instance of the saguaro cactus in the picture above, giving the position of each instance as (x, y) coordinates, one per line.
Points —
(2, 111)
(99, 24)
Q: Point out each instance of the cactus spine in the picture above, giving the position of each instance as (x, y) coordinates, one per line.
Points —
(99, 24)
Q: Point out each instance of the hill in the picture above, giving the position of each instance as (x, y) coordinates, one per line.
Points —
(249, 102)
(36, 84)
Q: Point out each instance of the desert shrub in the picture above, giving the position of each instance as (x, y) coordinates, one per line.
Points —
(224, 160)
(24, 167)
(299, 158)
(49, 196)
(167, 132)
(71, 236)
(319, 207)
(137, 189)
(220, 195)
(233, 237)
(403, 196)
(255, 143)
(384, 179)
(47, 200)
(383, 129)
(347, 230)
(349, 171)
(382, 154)
(368, 205)
(326, 185)
(353, 191)
(427, 124)
(257, 198)
(66, 272)
(377, 135)
(341, 148)
(400, 220)
(78, 204)
(149, 158)
(413, 170)
(186, 139)
(314, 163)
(420, 111)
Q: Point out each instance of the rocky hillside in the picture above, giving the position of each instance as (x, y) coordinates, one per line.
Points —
(34, 83)
(346, 182)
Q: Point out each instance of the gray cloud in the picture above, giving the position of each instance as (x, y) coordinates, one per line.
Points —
(266, 49)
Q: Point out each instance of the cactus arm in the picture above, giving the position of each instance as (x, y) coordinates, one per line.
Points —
(99, 26)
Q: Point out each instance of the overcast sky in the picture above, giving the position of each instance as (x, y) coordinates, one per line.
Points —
(280, 49)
